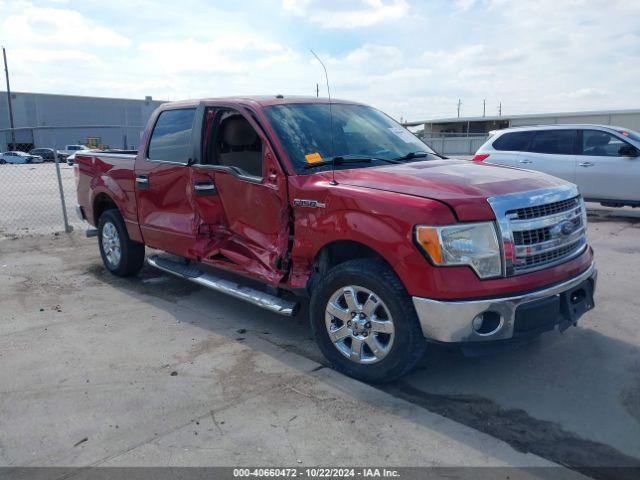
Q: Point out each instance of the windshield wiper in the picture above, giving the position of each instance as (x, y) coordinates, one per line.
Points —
(412, 155)
(342, 159)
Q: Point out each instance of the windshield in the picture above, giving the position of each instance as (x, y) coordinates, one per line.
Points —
(358, 131)
(633, 135)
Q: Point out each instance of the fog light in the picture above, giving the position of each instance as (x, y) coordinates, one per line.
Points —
(487, 323)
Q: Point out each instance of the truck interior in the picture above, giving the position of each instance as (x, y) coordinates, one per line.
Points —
(235, 143)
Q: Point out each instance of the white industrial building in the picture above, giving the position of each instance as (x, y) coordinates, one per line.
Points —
(463, 136)
(45, 120)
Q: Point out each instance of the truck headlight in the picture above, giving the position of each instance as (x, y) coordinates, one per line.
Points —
(472, 244)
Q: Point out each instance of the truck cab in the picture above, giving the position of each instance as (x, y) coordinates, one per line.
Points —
(394, 245)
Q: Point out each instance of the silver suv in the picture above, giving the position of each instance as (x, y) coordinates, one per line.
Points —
(604, 161)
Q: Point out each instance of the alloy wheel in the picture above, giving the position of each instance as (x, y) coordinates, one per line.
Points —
(359, 324)
(111, 244)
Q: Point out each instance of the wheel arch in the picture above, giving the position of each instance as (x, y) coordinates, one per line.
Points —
(336, 252)
(100, 204)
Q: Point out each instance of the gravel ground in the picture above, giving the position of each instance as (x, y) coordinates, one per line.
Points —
(153, 371)
(156, 371)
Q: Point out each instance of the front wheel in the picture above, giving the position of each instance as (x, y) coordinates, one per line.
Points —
(365, 323)
(122, 256)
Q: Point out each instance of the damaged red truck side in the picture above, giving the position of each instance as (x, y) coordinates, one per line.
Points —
(395, 245)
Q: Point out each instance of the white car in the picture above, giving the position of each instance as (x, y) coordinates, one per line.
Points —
(604, 161)
(71, 159)
(70, 150)
(19, 157)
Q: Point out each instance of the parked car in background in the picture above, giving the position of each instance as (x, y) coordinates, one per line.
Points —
(19, 157)
(47, 154)
(71, 158)
(69, 150)
(604, 161)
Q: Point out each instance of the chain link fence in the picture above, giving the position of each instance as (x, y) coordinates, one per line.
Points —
(454, 143)
(37, 182)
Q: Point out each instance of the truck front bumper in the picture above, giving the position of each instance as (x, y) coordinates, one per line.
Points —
(505, 318)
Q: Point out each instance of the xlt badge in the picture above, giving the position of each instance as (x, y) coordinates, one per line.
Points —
(302, 202)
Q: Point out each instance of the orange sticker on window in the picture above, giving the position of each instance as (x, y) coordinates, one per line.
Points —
(313, 157)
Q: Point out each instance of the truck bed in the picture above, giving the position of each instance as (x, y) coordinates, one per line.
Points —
(109, 173)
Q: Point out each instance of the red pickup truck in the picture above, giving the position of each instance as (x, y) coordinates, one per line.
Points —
(395, 245)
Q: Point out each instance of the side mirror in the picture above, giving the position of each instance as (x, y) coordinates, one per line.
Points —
(628, 151)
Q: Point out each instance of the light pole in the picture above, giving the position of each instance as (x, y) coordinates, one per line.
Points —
(6, 73)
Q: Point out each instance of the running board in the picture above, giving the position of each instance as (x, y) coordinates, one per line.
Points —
(248, 294)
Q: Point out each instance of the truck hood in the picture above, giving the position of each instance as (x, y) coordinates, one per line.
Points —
(464, 185)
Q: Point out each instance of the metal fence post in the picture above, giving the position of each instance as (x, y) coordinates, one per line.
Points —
(67, 228)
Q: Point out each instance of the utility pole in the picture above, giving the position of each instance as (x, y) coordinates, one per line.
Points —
(317, 90)
(500, 109)
(484, 107)
(6, 73)
(459, 103)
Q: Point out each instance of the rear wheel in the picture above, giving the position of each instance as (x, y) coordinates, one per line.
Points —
(121, 255)
(365, 323)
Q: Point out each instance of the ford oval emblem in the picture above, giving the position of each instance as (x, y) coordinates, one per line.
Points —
(564, 228)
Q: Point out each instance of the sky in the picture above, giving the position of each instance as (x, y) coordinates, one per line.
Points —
(412, 59)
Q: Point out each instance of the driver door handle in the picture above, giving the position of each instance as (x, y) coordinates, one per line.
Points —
(586, 164)
(526, 160)
(205, 188)
(142, 181)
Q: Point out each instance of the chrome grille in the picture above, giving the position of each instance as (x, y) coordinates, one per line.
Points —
(550, 256)
(546, 234)
(530, 237)
(541, 228)
(548, 209)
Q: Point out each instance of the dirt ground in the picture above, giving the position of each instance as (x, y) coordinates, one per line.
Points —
(97, 370)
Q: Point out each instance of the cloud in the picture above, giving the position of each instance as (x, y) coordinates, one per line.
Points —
(464, 5)
(225, 54)
(415, 63)
(460, 56)
(587, 92)
(39, 55)
(367, 59)
(347, 14)
(38, 25)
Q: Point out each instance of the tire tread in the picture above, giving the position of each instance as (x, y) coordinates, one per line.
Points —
(378, 271)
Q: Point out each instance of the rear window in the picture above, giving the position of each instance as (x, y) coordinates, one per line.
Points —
(514, 141)
(171, 137)
(559, 142)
